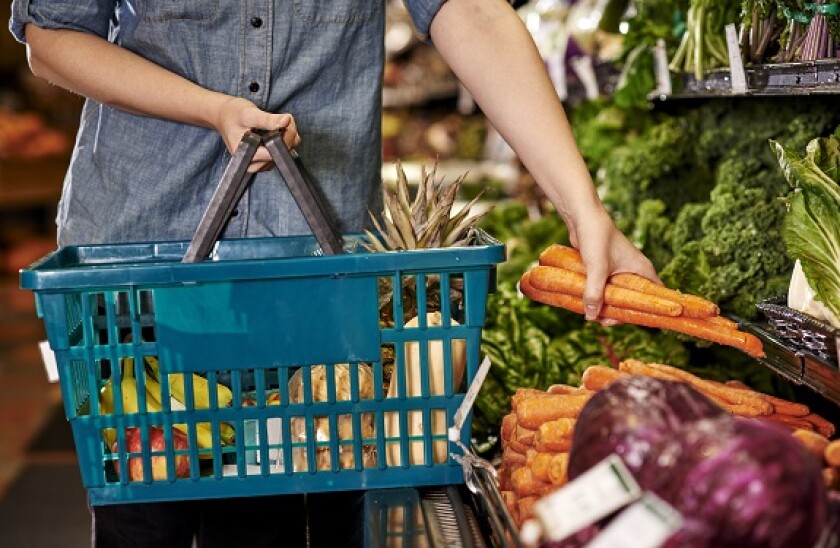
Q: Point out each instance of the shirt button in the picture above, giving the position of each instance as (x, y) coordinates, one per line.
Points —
(256, 22)
(254, 87)
(235, 212)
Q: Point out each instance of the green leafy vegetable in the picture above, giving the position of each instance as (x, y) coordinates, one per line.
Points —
(812, 225)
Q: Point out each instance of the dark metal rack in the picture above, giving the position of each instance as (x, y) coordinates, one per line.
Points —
(804, 78)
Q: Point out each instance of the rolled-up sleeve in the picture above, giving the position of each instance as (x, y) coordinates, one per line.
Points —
(422, 12)
(92, 16)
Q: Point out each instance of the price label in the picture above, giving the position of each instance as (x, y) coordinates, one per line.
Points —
(598, 492)
(663, 73)
(738, 78)
(647, 523)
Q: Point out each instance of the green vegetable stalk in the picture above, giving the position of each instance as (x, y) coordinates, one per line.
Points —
(812, 224)
(703, 45)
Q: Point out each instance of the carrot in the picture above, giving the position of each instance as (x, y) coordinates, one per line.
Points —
(508, 427)
(693, 306)
(525, 484)
(597, 377)
(535, 411)
(513, 458)
(822, 426)
(722, 322)
(525, 508)
(815, 443)
(555, 436)
(525, 393)
(563, 257)
(733, 396)
(562, 389)
(550, 467)
(791, 423)
(560, 280)
(690, 326)
(832, 454)
(570, 259)
(524, 435)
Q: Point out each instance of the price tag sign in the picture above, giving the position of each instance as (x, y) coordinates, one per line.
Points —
(598, 492)
(736, 63)
(647, 523)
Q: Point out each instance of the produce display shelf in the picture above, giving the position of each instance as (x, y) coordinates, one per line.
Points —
(806, 78)
(799, 366)
(419, 94)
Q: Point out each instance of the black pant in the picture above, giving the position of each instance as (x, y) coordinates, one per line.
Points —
(329, 519)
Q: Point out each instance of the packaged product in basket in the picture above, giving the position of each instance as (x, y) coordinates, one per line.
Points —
(347, 439)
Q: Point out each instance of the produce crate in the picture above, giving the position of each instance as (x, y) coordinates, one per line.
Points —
(247, 320)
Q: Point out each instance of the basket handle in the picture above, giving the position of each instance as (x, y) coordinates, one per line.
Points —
(235, 180)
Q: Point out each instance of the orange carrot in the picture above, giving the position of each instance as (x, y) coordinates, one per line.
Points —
(563, 257)
(532, 412)
(832, 453)
(791, 423)
(733, 396)
(689, 326)
(569, 258)
(824, 427)
(597, 377)
(814, 442)
(693, 306)
(722, 322)
(560, 280)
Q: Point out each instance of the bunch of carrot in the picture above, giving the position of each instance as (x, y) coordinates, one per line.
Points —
(536, 439)
(560, 277)
(733, 396)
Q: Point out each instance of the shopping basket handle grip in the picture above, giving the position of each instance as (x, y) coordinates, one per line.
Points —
(305, 192)
(235, 180)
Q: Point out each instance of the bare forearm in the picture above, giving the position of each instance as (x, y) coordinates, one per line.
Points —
(93, 67)
(492, 53)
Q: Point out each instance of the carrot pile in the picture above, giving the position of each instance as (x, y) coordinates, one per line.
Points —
(536, 439)
(560, 277)
(826, 452)
(537, 434)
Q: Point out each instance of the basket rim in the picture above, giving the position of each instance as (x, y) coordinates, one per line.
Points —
(159, 263)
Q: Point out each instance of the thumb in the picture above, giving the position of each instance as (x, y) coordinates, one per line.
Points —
(593, 292)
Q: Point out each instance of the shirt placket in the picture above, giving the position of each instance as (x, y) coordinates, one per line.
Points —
(256, 17)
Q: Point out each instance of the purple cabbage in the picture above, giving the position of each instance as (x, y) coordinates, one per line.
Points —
(630, 416)
(737, 482)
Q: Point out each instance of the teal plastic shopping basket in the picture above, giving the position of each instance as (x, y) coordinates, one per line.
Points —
(248, 319)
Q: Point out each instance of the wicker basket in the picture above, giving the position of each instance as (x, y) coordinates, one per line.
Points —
(802, 331)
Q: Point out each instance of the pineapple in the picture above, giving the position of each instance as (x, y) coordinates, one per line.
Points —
(425, 222)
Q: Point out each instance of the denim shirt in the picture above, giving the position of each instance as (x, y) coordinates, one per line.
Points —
(135, 178)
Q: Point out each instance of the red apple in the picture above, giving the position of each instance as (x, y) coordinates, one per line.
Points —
(274, 398)
(157, 442)
(248, 401)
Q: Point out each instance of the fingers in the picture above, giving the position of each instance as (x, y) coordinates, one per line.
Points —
(285, 122)
(593, 292)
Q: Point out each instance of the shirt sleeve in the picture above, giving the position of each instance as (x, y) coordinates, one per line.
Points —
(422, 12)
(93, 16)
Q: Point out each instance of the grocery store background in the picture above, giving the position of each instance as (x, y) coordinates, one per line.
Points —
(682, 155)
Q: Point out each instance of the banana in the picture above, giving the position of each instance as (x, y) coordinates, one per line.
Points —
(226, 431)
(201, 387)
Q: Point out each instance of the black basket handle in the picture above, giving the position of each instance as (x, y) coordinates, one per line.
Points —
(235, 180)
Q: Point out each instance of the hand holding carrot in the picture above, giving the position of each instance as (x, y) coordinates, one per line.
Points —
(631, 298)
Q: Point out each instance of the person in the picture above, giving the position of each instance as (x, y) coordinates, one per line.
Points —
(171, 87)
